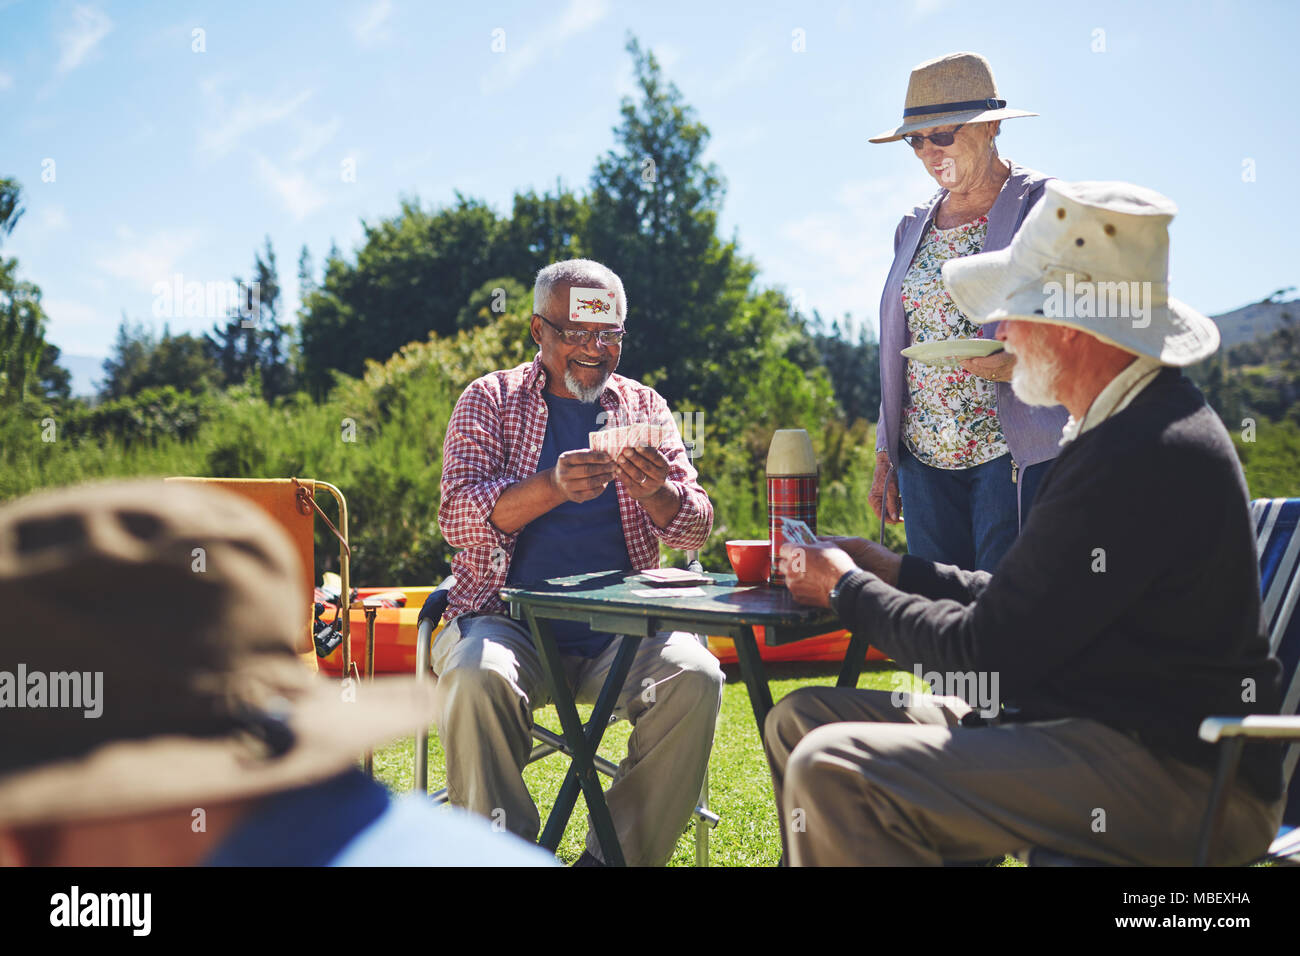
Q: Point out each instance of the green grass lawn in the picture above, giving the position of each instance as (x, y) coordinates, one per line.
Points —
(739, 783)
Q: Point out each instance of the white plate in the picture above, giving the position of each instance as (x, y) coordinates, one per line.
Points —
(950, 352)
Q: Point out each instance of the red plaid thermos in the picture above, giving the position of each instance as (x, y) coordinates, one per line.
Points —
(791, 487)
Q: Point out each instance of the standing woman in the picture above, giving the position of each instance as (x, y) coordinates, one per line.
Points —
(963, 451)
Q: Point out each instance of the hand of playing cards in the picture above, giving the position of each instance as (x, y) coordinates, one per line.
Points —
(614, 440)
(795, 531)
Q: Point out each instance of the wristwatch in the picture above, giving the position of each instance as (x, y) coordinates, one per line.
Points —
(835, 591)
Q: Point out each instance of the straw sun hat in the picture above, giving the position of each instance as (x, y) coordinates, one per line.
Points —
(957, 88)
(201, 695)
(1092, 256)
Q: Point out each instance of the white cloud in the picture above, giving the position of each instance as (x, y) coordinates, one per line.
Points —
(294, 190)
(89, 27)
(406, 164)
(737, 141)
(51, 219)
(213, 82)
(370, 28)
(578, 17)
(742, 72)
(923, 8)
(226, 126)
(147, 261)
(839, 257)
(6, 81)
(313, 137)
(76, 322)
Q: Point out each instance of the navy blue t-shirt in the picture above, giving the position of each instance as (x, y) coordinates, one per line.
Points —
(574, 537)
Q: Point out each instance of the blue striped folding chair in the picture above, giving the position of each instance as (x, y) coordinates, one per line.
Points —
(1277, 546)
(1278, 549)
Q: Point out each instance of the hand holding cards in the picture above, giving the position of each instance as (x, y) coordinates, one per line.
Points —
(795, 531)
(582, 475)
(638, 464)
(614, 440)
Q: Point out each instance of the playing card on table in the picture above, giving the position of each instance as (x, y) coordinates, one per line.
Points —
(797, 532)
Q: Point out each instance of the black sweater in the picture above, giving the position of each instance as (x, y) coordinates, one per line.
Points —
(1169, 633)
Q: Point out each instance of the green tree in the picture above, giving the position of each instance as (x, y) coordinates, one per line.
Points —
(140, 361)
(52, 379)
(253, 342)
(491, 299)
(851, 356)
(653, 220)
(415, 273)
(22, 320)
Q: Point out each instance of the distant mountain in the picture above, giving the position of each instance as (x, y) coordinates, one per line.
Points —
(1254, 321)
(87, 371)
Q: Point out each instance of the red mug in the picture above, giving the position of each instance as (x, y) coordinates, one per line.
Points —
(751, 560)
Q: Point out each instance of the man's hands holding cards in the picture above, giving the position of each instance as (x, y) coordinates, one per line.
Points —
(642, 470)
(582, 475)
(638, 463)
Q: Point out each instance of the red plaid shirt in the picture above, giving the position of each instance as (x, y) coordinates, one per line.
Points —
(494, 440)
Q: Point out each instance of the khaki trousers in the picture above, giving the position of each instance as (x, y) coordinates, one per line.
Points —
(861, 780)
(491, 680)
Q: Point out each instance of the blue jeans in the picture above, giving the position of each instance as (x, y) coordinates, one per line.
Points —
(964, 516)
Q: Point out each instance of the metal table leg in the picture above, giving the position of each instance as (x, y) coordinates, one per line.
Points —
(755, 674)
(854, 657)
(582, 741)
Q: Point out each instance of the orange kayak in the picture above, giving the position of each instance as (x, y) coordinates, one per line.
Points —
(396, 630)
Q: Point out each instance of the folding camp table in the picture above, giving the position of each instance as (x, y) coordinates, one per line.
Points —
(606, 601)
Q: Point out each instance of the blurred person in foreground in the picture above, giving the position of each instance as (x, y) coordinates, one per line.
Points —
(954, 443)
(153, 711)
(1127, 611)
(526, 499)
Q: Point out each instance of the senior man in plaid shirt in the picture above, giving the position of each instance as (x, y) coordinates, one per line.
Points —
(525, 499)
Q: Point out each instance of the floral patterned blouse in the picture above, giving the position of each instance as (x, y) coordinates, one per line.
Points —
(951, 417)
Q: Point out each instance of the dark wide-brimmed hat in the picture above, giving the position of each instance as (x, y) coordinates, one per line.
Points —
(957, 88)
(147, 659)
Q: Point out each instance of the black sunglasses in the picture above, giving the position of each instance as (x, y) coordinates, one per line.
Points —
(610, 337)
(916, 140)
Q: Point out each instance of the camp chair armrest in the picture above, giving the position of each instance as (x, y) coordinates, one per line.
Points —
(1263, 726)
(436, 602)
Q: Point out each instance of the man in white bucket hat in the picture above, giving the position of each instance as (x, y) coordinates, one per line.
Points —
(1127, 611)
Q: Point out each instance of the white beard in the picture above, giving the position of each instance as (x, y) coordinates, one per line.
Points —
(1035, 377)
(588, 396)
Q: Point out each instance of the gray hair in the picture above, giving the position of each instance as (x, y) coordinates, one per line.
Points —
(577, 272)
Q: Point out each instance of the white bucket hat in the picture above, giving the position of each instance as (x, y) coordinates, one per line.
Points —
(1092, 256)
(957, 88)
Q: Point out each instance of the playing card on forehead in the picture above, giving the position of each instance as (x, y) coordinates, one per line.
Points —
(593, 305)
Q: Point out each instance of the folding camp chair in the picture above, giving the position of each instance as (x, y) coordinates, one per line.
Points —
(547, 741)
(1277, 546)
(292, 503)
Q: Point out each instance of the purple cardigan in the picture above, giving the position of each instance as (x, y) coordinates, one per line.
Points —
(1032, 432)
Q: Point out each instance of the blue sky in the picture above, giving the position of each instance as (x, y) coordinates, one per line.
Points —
(167, 160)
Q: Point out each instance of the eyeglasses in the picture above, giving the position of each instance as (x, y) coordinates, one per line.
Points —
(612, 337)
(916, 140)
